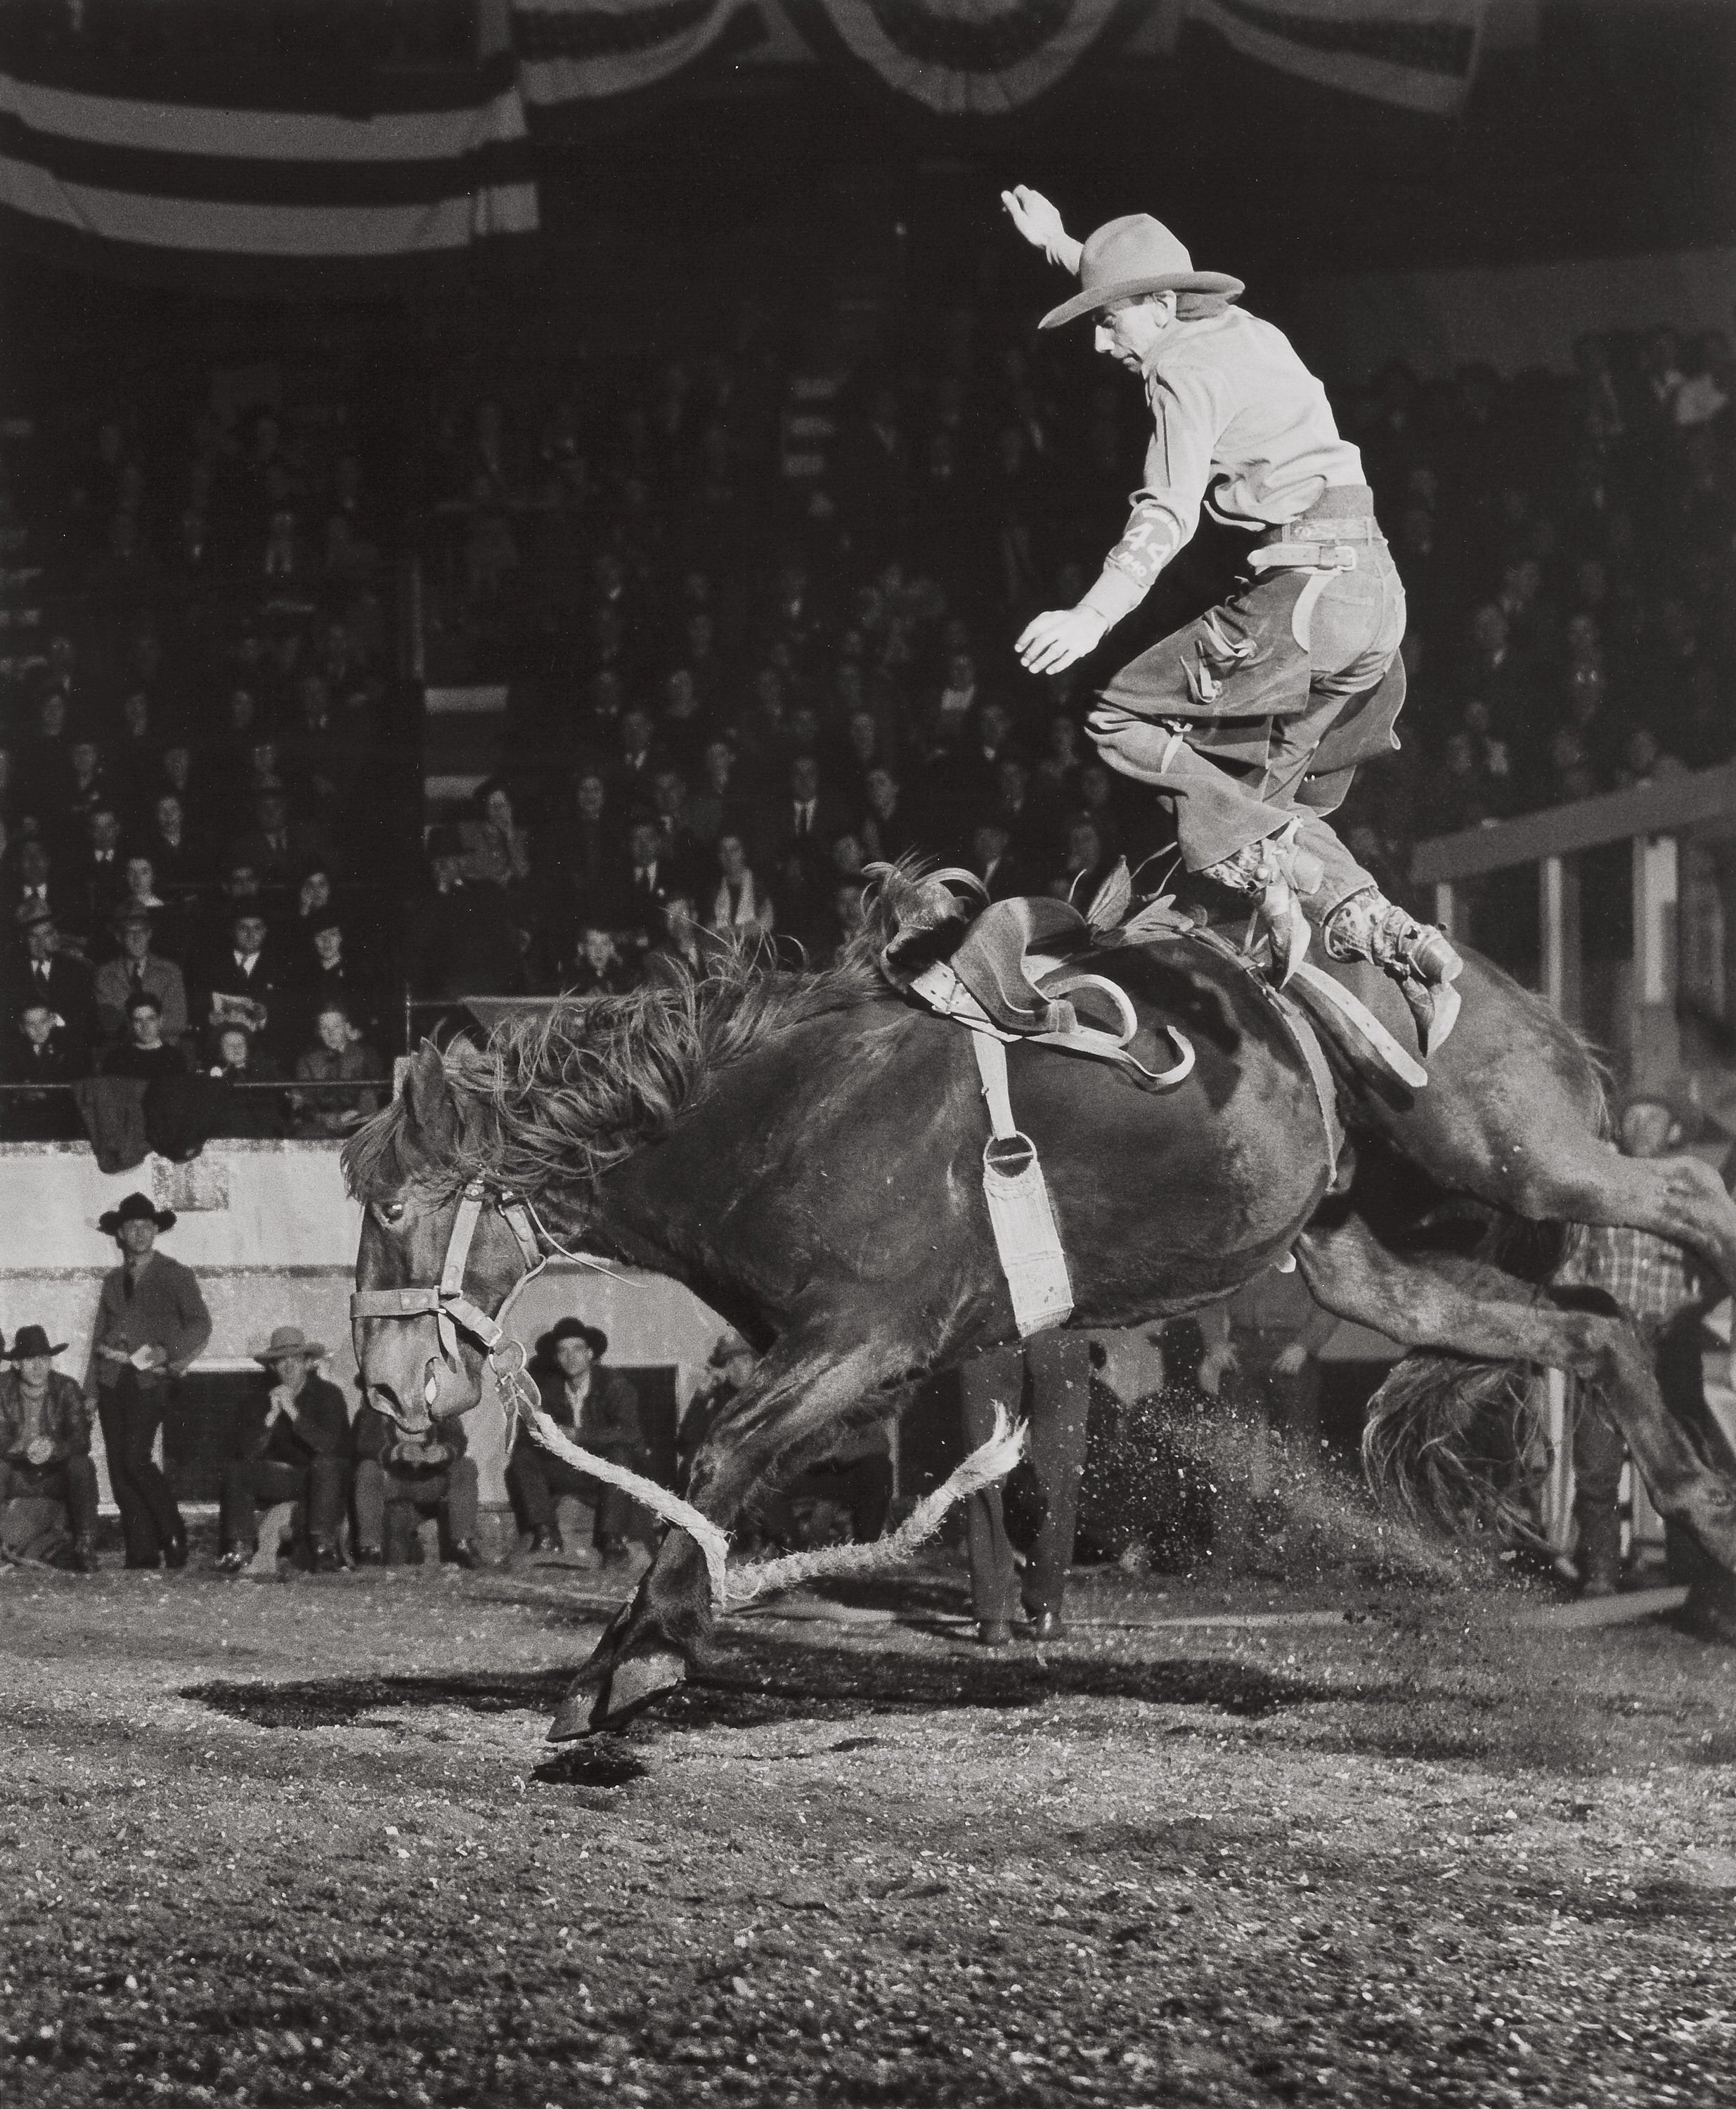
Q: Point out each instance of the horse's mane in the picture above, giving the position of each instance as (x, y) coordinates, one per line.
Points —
(567, 1094)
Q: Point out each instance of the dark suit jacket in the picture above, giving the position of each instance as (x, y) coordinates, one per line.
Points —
(609, 1420)
(321, 1428)
(69, 989)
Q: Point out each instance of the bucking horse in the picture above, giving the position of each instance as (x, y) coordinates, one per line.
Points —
(804, 1151)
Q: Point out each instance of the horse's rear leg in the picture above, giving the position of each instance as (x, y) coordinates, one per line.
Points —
(1469, 1308)
(804, 1386)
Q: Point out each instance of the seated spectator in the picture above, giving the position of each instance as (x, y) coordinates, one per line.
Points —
(716, 805)
(731, 1363)
(41, 1060)
(326, 976)
(291, 1444)
(98, 879)
(341, 1057)
(886, 830)
(45, 1441)
(994, 863)
(741, 906)
(1083, 866)
(235, 1062)
(144, 1053)
(685, 943)
(415, 1475)
(498, 848)
(136, 968)
(278, 847)
(35, 883)
(240, 984)
(649, 877)
(599, 1409)
(52, 972)
(599, 969)
(461, 940)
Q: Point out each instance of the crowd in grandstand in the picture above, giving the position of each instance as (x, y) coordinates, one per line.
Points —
(743, 662)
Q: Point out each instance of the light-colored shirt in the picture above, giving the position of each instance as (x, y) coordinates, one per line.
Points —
(1233, 411)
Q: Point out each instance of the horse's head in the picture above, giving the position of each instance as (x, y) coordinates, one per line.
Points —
(441, 1251)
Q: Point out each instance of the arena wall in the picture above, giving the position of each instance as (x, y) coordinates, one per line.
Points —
(271, 1236)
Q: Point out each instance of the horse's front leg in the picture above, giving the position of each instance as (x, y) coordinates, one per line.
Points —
(802, 1387)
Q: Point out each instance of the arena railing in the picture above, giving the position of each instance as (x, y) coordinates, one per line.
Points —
(1665, 822)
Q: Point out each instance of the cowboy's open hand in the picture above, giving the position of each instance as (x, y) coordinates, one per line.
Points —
(1049, 642)
(1037, 221)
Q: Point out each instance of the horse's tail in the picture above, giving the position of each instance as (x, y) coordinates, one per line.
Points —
(1462, 1447)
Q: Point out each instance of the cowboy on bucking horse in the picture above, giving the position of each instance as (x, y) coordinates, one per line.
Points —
(1252, 719)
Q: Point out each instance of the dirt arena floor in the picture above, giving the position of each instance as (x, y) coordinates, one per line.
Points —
(306, 1843)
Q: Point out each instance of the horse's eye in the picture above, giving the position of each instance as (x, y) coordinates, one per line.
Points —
(389, 1212)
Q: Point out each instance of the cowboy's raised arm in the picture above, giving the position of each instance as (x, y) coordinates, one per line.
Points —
(1040, 223)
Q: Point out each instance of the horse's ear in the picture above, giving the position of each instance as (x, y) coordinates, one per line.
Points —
(428, 1096)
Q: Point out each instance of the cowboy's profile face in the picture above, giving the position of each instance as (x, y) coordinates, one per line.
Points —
(137, 1234)
(1128, 331)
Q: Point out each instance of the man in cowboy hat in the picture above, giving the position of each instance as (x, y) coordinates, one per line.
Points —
(292, 1444)
(151, 1322)
(732, 1362)
(45, 1440)
(1252, 719)
(600, 1410)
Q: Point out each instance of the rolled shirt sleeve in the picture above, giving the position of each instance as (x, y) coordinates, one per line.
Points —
(1187, 418)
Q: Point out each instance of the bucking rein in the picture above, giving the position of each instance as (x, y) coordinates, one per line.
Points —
(1026, 1239)
(453, 1312)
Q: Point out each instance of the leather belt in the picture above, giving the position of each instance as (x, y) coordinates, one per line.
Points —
(1323, 527)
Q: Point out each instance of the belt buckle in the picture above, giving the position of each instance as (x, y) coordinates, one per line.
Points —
(1337, 556)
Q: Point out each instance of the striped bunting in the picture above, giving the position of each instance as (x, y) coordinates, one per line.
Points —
(87, 174)
(1417, 54)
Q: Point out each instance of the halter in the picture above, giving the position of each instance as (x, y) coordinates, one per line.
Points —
(452, 1310)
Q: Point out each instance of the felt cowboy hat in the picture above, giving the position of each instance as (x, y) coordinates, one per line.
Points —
(575, 1329)
(135, 912)
(135, 1208)
(34, 1340)
(1127, 257)
(291, 1341)
(32, 913)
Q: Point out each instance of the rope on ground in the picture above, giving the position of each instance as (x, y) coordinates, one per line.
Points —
(993, 1460)
(712, 1542)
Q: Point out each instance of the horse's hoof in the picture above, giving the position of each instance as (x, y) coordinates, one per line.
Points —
(628, 1688)
(1710, 1612)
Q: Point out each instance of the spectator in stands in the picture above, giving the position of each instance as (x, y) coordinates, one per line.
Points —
(235, 1062)
(41, 1060)
(599, 969)
(341, 1057)
(599, 1410)
(138, 968)
(34, 886)
(152, 1324)
(417, 1475)
(98, 877)
(498, 848)
(241, 984)
(740, 906)
(649, 879)
(461, 940)
(885, 829)
(326, 975)
(716, 805)
(53, 973)
(45, 1441)
(144, 1053)
(291, 1444)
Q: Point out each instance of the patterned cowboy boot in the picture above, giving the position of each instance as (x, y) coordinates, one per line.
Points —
(1418, 956)
(1275, 873)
